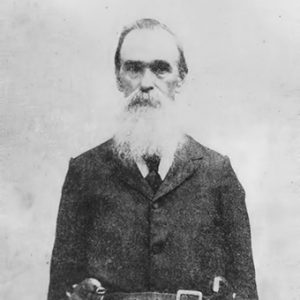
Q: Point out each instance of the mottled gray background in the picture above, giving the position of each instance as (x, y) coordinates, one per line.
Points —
(58, 99)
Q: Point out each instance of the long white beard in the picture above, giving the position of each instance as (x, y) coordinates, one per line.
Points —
(150, 124)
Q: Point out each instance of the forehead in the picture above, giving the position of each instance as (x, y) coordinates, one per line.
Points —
(148, 45)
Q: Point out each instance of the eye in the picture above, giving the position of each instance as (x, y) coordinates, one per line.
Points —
(160, 67)
(133, 67)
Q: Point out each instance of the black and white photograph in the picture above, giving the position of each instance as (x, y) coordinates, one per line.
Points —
(149, 150)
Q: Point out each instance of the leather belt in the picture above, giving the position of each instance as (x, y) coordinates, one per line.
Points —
(139, 296)
(101, 293)
(154, 296)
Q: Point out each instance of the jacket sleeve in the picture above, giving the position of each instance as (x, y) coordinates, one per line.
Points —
(240, 270)
(68, 257)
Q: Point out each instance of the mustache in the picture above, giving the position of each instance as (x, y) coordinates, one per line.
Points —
(139, 99)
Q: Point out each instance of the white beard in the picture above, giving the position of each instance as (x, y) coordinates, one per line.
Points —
(149, 125)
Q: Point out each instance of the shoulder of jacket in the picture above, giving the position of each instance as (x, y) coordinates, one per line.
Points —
(98, 154)
(207, 154)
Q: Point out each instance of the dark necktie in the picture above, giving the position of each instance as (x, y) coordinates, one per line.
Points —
(153, 177)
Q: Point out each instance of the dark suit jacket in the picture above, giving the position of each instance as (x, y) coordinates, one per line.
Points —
(112, 227)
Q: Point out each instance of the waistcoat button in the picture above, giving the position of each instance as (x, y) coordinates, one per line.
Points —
(155, 205)
(157, 248)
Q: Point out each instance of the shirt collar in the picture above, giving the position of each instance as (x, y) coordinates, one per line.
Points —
(165, 164)
(163, 168)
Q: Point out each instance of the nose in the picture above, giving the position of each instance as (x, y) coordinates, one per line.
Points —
(147, 81)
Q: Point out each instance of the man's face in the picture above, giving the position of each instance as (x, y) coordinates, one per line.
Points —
(149, 66)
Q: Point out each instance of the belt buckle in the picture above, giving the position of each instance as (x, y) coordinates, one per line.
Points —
(188, 292)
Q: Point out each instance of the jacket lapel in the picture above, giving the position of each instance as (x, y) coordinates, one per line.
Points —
(128, 172)
(186, 161)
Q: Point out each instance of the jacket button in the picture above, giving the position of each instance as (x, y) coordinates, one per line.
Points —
(157, 248)
(155, 205)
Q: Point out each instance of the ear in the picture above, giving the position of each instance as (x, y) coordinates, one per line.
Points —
(119, 84)
(179, 84)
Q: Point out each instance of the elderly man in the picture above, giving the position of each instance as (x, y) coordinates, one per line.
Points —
(151, 212)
